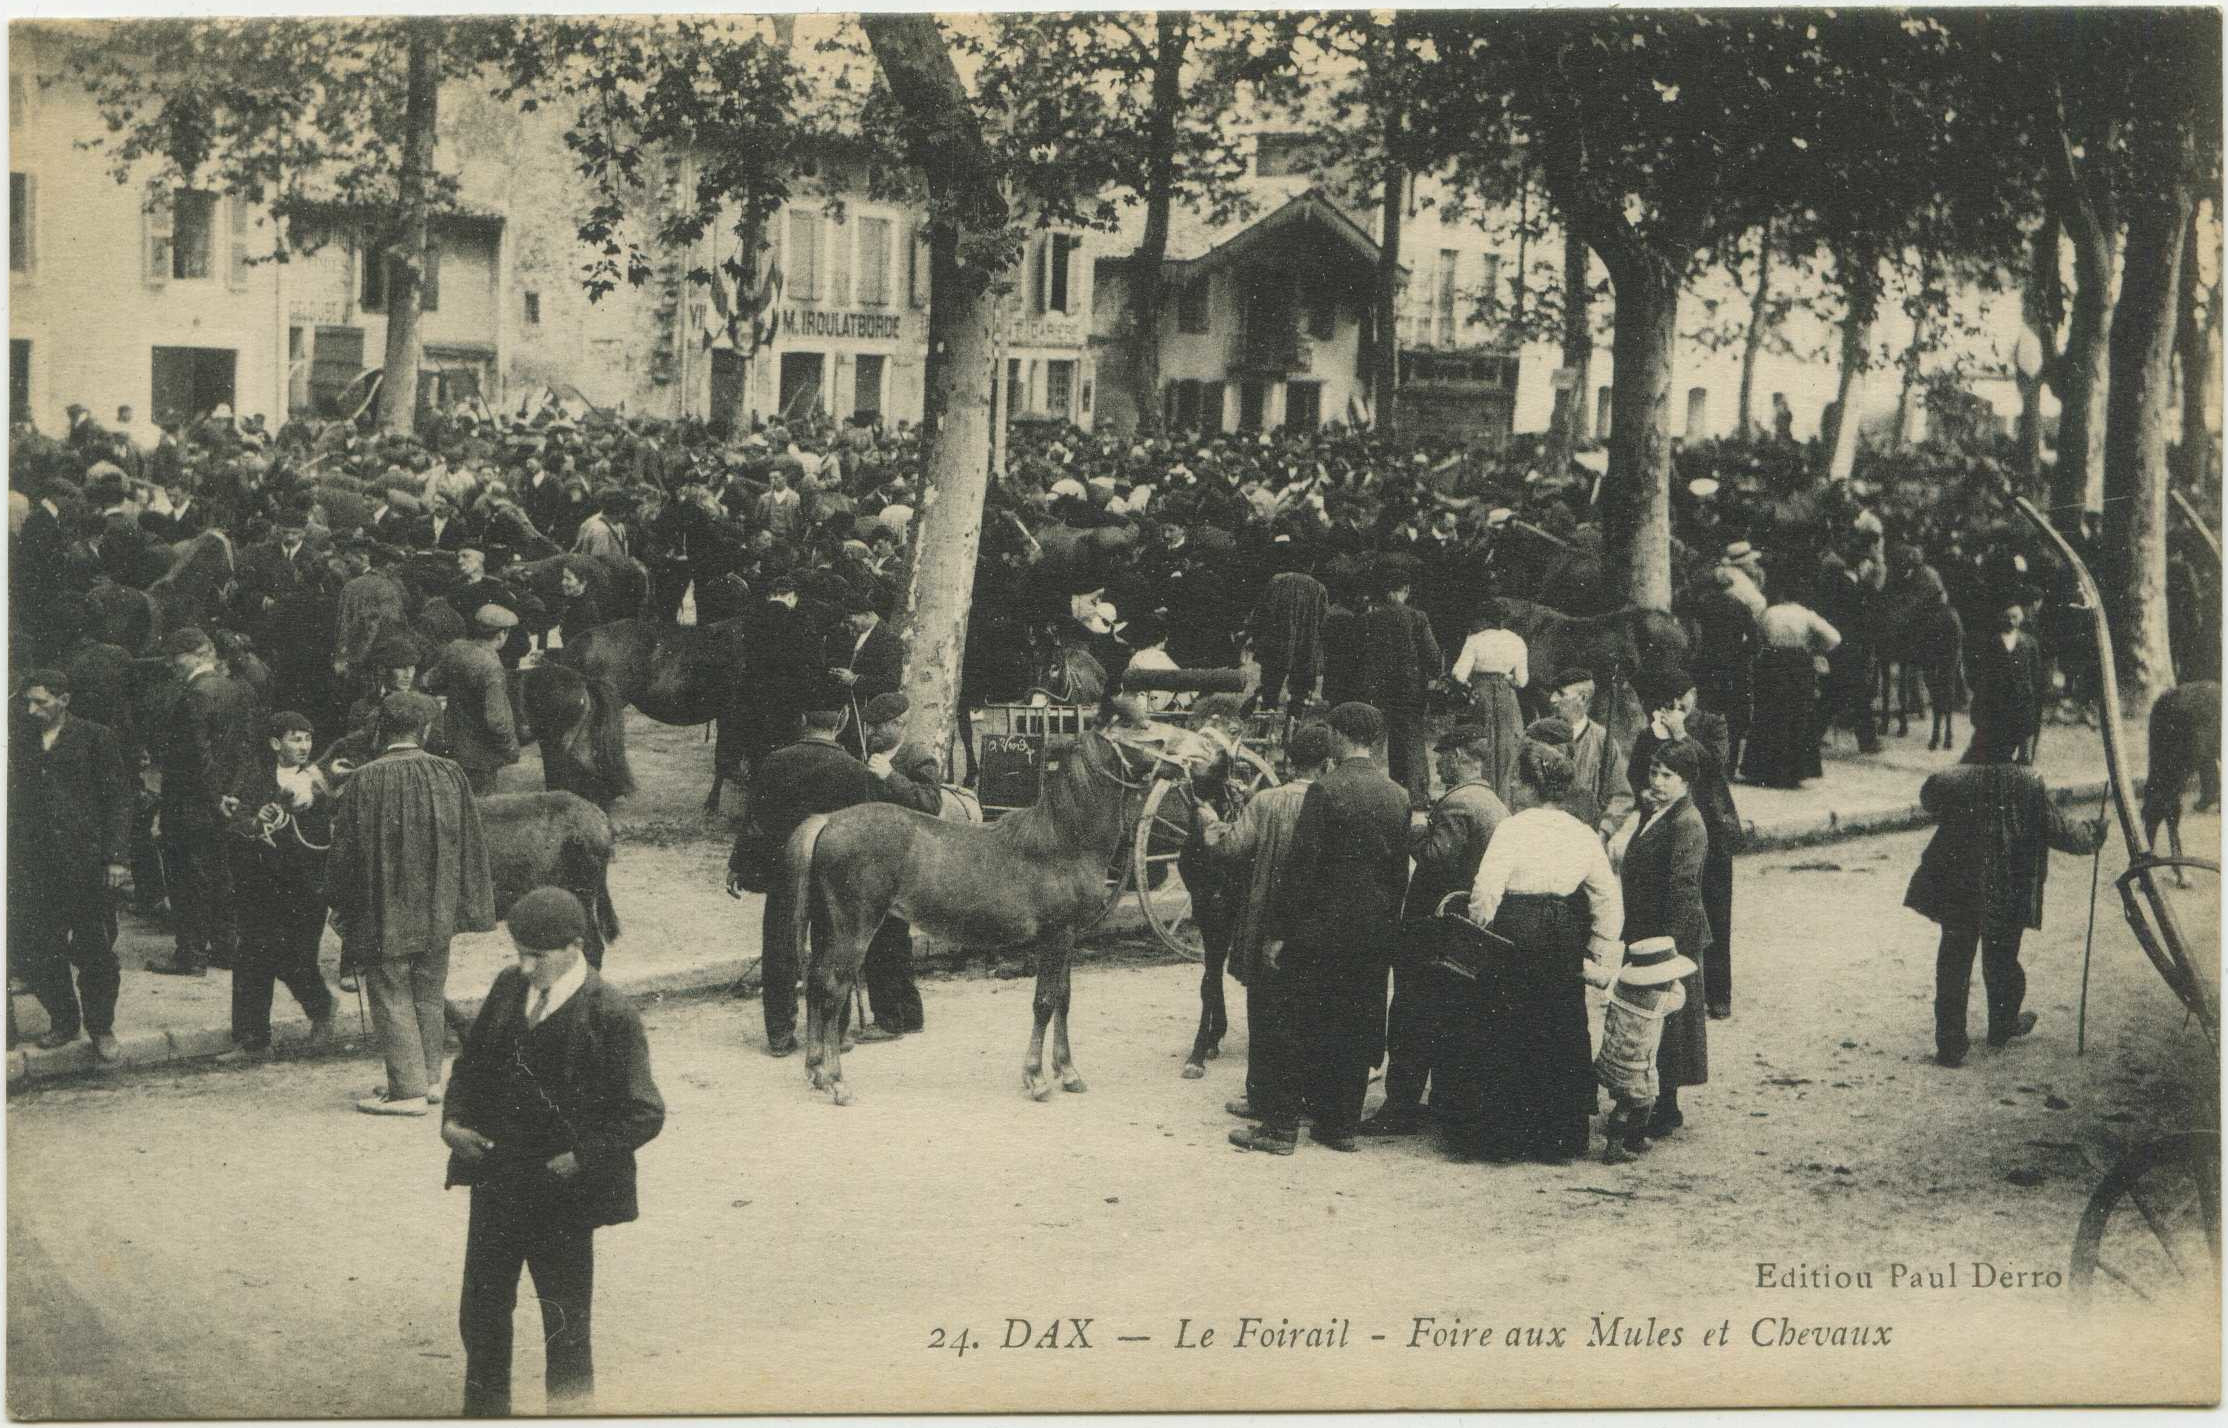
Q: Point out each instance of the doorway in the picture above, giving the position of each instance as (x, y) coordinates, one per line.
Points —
(727, 389)
(866, 382)
(800, 383)
(190, 382)
(1252, 398)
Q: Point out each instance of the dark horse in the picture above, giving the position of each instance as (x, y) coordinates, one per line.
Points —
(1034, 877)
(2185, 740)
(553, 840)
(677, 674)
(1622, 642)
(580, 722)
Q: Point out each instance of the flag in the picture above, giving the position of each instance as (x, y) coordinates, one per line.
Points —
(760, 313)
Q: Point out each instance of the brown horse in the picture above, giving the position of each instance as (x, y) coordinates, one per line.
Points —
(580, 723)
(2185, 741)
(1034, 877)
(553, 840)
(1622, 642)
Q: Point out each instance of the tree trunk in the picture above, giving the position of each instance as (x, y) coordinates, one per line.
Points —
(945, 143)
(1636, 494)
(2078, 484)
(1759, 307)
(1907, 394)
(2194, 345)
(2044, 301)
(1172, 38)
(1385, 361)
(1571, 422)
(943, 267)
(398, 384)
(1861, 291)
(2135, 468)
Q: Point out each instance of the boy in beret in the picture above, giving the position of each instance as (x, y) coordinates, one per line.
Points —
(549, 1100)
(281, 820)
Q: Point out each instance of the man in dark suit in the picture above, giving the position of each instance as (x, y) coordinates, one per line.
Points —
(1336, 914)
(69, 838)
(911, 777)
(874, 663)
(2008, 688)
(1981, 879)
(1401, 657)
(816, 774)
(271, 570)
(548, 1102)
(477, 729)
(199, 746)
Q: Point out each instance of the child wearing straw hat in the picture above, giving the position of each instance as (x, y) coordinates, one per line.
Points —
(1645, 990)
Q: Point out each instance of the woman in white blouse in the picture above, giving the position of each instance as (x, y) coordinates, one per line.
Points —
(1495, 664)
(1518, 1079)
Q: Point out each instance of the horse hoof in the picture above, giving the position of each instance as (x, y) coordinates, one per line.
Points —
(1214, 1053)
(1037, 1087)
(1072, 1082)
(1193, 1070)
(840, 1094)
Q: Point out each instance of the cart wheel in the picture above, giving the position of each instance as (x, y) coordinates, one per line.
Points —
(1163, 829)
(2151, 1232)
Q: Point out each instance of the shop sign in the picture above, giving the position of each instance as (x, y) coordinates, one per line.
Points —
(811, 322)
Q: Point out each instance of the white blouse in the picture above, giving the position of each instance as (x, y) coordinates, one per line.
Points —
(1545, 850)
(1494, 652)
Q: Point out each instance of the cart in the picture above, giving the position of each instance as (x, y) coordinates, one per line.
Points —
(2151, 1230)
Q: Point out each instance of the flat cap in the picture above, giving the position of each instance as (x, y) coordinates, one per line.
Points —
(287, 721)
(406, 710)
(882, 708)
(546, 919)
(1552, 730)
(187, 639)
(395, 650)
(493, 617)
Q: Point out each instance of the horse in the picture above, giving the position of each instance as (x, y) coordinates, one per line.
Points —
(676, 674)
(580, 723)
(2184, 740)
(1932, 646)
(1622, 642)
(189, 593)
(1036, 876)
(620, 584)
(553, 839)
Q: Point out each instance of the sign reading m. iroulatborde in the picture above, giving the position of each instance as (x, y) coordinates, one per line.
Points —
(810, 322)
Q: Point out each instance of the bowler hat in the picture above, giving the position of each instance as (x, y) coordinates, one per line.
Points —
(546, 919)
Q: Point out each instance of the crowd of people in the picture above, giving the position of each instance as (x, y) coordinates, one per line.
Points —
(1338, 567)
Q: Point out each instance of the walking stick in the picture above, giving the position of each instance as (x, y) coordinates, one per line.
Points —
(2088, 945)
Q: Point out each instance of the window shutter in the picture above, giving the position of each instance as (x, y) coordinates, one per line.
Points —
(1038, 272)
(429, 286)
(237, 274)
(154, 223)
(30, 223)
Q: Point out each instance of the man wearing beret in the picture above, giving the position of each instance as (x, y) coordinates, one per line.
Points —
(200, 746)
(408, 872)
(550, 1099)
(868, 658)
(281, 827)
(911, 777)
(1447, 849)
(1400, 657)
(477, 730)
(69, 821)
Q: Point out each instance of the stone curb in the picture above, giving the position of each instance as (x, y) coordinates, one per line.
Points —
(29, 1066)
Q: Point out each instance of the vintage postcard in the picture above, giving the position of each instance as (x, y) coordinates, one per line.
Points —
(1051, 712)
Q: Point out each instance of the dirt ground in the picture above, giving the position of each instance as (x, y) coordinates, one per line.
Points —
(242, 1244)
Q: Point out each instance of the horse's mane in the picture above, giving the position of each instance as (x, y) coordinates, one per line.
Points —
(1046, 830)
(183, 560)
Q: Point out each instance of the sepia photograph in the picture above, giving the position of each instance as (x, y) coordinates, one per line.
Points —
(1052, 712)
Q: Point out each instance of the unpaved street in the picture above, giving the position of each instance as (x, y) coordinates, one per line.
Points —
(241, 1243)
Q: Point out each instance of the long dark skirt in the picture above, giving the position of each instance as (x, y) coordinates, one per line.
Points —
(1497, 713)
(1516, 1076)
(1782, 746)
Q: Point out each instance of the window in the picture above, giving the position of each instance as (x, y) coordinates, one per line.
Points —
(1322, 314)
(1191, 306)
(917, 261)
(1492, 283)
(1449, 261)
(371, 281)
(1059, 250)
(874, 262)
(429, 287)
(803, 274)
(21, 216)
(1303, 406)
(1276, 154)
(19, 376)
(193, 233)
(1059, 388)
(533, 309)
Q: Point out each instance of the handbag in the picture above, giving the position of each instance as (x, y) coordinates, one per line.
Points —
(1466, 949)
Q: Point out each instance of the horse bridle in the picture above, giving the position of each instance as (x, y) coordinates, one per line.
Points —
(1162, 760)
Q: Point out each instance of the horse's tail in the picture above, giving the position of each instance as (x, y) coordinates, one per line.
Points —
(801, 846)
(606, 912)
(601, 739)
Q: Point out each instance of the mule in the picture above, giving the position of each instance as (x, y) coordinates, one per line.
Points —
(553, 839)
(2184, 740)
(1035, 877)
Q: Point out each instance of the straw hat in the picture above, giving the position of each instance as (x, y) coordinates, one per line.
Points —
(1654, 961)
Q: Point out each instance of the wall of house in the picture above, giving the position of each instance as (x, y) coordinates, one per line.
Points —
(90, 303)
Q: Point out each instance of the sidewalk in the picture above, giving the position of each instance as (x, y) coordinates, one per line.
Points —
(682, 934)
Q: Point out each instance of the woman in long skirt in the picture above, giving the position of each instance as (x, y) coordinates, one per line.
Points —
(1517, 1080)
(1782, 747)
(1495, 664)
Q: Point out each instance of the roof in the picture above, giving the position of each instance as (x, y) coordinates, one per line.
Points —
(1195, 244)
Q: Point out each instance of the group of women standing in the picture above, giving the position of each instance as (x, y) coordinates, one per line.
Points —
(1513, 1076)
